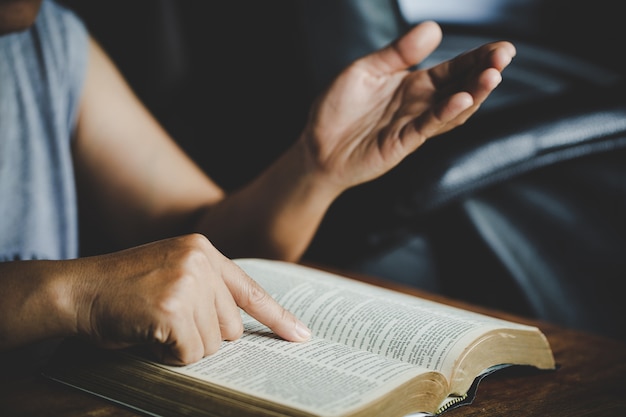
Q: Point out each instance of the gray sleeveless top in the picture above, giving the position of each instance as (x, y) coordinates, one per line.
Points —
(42, 71)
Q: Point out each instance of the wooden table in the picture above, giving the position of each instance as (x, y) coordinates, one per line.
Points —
(590, 381)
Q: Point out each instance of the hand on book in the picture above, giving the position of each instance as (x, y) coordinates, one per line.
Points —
(378, 111)
(180, 294)
(375, 353)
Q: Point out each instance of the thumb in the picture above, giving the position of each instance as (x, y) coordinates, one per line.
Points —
(406, 51)
(254, 300)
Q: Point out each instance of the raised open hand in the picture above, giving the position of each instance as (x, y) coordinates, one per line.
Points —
(378, 110)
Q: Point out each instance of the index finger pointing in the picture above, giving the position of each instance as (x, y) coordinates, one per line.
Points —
(254, 300)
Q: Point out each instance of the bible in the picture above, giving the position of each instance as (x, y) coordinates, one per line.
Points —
(374, 352)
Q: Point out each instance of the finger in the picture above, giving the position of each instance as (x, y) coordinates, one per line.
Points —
(228, 313)
(406, 51)
(184, 344)
(483, 86)
(449, 113)
(436, 120)
(491, 55)
(496, 55)
(501, 55)
(253, 299)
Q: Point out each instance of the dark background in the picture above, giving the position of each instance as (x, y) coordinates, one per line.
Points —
(233, 82)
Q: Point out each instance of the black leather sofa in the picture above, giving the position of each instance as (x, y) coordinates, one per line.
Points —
(523, 208)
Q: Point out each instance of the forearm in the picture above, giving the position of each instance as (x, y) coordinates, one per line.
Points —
(276, 215)
(35, 303)
(179, 295)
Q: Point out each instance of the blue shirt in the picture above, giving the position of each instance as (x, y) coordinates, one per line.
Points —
(42, 71)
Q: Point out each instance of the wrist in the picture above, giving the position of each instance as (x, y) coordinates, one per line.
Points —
(63, 294)
(305, 161)
(71, 290)
(36, 302)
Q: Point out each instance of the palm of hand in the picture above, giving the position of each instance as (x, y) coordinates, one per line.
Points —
(360, 129)
(377, 111)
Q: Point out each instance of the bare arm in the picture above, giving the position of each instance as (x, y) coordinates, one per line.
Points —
(179, 295)
(375, 114)
(134, 177)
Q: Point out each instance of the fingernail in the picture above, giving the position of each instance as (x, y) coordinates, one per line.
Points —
(302, 331)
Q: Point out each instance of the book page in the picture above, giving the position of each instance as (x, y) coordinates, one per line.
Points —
(316, 376)
(367, 317)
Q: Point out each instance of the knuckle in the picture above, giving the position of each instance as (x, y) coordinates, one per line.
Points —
(197, 240)
(193, 259)
(191, 263)
(171, 308)
(196, 253)
(285, 315)
(255, 295)
(201, 243)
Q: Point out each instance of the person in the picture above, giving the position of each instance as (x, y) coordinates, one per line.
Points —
(73, 135)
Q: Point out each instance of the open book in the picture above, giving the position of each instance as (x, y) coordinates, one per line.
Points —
(374, 352)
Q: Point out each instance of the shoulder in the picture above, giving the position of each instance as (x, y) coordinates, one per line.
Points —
(63, 35)
(52, 52)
